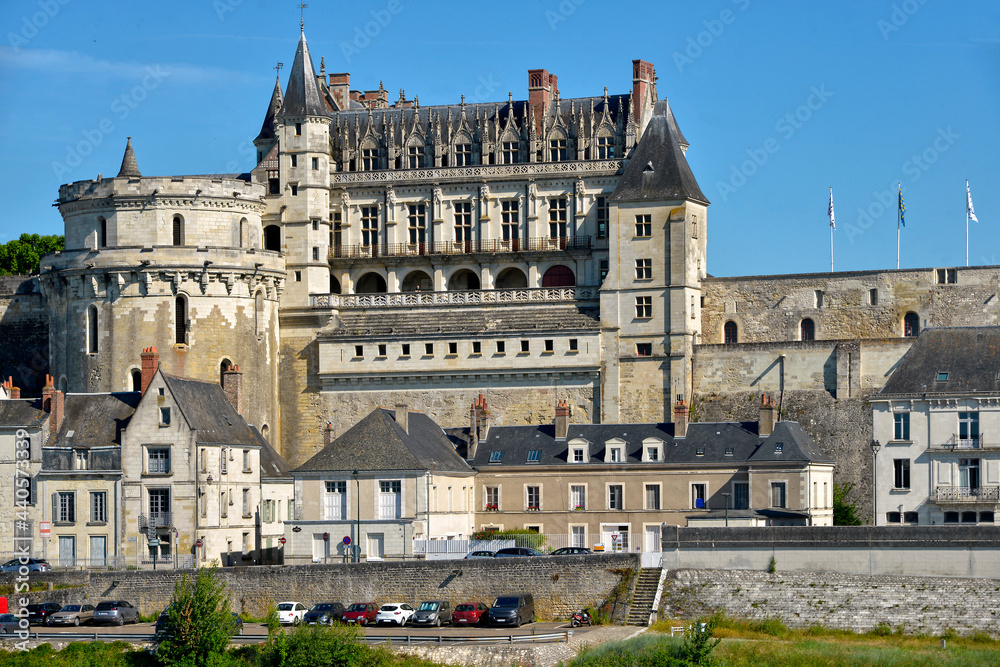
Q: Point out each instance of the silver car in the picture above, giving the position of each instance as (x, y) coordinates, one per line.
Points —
(73, 614)
(119, 612)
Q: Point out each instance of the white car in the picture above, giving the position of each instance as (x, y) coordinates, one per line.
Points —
(399, 613)
(291, 613)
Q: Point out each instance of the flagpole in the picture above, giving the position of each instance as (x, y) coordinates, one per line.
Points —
(966, 222)
(898, 189)
(831, 229)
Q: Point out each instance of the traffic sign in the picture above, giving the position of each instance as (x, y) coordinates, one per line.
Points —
(199, 543)
(281, 540)
(347, 540)
(326, 537)
(155, 542)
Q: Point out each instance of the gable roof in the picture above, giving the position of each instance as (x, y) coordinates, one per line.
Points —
(95, 420)
(22, 412)
(658, 169)
(969, 355)
(208, 411)
(377, 442)
(272, 466)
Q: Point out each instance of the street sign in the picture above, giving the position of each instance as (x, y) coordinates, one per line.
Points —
(614, 537)
(155, 542)
(281, 540)
(326, 537)
(347, 540)
(199, 543)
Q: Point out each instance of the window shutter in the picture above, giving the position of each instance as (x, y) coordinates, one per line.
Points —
(55, 507)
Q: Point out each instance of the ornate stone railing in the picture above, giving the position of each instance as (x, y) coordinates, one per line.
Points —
(469, 298)
(485, 171)
(488, 246)
(966, 494)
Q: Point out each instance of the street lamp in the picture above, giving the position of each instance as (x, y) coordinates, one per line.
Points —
(875, 445)
(357, 529)
(726, 496)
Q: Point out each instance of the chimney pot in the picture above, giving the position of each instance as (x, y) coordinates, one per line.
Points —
(232, 385)
(680, 417)
(328, 434)
(150, 362)
(562, 420)
(768, 415)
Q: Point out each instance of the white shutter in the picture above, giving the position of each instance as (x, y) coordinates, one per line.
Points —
(992, 472)
(944, 473)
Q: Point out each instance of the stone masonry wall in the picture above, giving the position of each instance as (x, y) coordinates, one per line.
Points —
(24, 330)
(854, 602)
(559, 585)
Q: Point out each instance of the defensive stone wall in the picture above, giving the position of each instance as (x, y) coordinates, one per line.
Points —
(24, 329)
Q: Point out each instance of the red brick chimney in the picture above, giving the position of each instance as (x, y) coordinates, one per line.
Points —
(232, 384)
(328, 434)
(643, 85)
(12, 391)
(562, 420)
(47, 392)
(53, 402)
(479, 415)
(680, 417)
(768, 410)
(150, 362)
(340, 89)
(541, 92)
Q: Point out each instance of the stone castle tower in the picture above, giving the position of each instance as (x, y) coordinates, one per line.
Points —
(175, 263)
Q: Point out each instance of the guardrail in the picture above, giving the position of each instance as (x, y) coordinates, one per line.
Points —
(405, 640)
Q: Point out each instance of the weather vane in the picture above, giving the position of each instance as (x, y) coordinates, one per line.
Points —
(302, 16)
(277, 68)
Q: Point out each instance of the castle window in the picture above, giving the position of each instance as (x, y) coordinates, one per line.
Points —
(369, 158)
(643, 307)
(178, 230)
(946, 276)
(413, 156)
(298, 129)
(359, 351)
(92, 329)
(381, 349)
(315, 253)
(315, 225)
(369, 225)
(295, 161)
(452, 348)
(605, 266)
(605, 148)
(463, 223)
(272, 238)
(911, 324)
(524, 346)
(643, 269)
(242, 231)
(602, 217)
(694, 226)
(136, 376)
(557, 220)
(477, 347)
(295, 190)
(463, 155)
(298, 276)
(818, 297)
(573, 345)
(258, 310)
(807, 330)
(417, 220)
(509, 221)
(405, 350)
(102, 233)
(429, 349)
(315, 163)
(643, 226)
(873, 297)
(777, 494)
(644, 349)
(731, 332)
(550, 345)
(501, 347)
(180, 321)
(558, 151)
(558, 276)
(508, 152)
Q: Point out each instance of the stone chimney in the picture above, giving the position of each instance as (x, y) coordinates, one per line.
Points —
(479, 415)
(328, 434)
(541, 92)
(232, 384)
(680, 417)
(562, 420)
(53, 402)
(150, 362)
(340, 89)
(768, 410)
(403, 417)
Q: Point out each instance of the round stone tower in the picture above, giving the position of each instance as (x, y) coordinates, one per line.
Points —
(173, 262)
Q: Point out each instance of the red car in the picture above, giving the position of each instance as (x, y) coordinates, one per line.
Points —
(469, 613)
(361, 613)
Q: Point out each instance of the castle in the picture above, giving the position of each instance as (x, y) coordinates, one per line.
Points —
(531, 250)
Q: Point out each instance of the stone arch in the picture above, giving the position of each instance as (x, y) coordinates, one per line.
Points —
(102, 232)
(181, 319)
(807, 329)
(731, 333)
(334, 285)
(463, 280)
(417, 281)
(911, 324)
(93, 329)
(370, 283)
(559, 276)
(258, 311)
(272, 238)
(177, 231)
(511, 278)
(135, 379)
(241, 238)
(224, 366)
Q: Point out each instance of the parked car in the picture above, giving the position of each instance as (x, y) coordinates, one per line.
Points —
(470, 613)
(161, 623)
(510, 552)
(33, 565)
(9, 624)
(513, 610)
(361, 613)
(39, 613)
(398, 613)
(432, 612)
(291, 613)
(73, 614)
(115, 611)
(325, 613)
(478, 554)
(572, 551)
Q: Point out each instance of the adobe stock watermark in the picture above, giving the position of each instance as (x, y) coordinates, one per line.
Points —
(563, 11)
(247, 152)
(223, 7)
(30, 25)
(886, 201)
(714, 28)
(900, 14)
(363, 35)
(122, 106)
(786, 126)
(23, 537)
(484, 91)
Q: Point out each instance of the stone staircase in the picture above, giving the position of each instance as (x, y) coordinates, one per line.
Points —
(643, 596)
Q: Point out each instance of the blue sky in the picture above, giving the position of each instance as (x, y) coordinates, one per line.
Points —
(779, 100)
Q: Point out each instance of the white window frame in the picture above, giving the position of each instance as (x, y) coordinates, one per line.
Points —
(774, 484)
(655, 445)
(395, 493)
(578, 496)
(659, 495)
(579, 444)
(491, 490)
(691, 497)
(578, 535)
(621, 496)
(527, 497)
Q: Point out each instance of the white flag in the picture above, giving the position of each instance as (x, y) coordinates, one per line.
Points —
(833, 224)
(968, 203)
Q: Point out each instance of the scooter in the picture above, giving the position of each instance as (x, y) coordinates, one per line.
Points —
(579, 618)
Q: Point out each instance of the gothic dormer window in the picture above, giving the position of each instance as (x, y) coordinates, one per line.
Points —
(605, 147)
(463, 154)
(414, 156)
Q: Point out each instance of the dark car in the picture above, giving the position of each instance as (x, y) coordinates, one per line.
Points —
(512, 610)
(572, 551)
(161, 624)
(432, 612)
(39, 614)
(325, 613)
(513, 552)
(361, 613)
(119, 612)
(470, 613)
(33, 565)
(478, 554)
(9, 624)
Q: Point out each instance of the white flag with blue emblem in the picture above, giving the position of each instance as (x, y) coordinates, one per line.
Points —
(968, 203)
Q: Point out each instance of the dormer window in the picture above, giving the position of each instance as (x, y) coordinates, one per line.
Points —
(615, 455)
(942, 377)
(496, 457)
(729, 451)
(652, 451)
(577, 455)
(778, 446)
(534, 456)
(700, 451)
(81, 459)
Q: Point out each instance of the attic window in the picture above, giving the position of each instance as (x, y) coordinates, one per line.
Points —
(943, 377)
(729, 451)
(700, 451)
(496, 457)
(534, 456)
(777, 447)
(648, 167)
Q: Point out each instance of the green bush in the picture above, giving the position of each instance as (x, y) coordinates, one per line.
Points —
(199, 623)
(880, 630)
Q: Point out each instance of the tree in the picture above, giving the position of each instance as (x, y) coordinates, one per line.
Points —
(844, 511)
(20, 257)
(199, 623)
(699, 642)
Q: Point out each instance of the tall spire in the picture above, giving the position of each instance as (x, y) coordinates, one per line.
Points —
(267, 129)
(302, 97)
(130, 169)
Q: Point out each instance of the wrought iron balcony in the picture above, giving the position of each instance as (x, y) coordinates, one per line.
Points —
(957, 442)
(487, 246)
(155, 520)
(966, 494)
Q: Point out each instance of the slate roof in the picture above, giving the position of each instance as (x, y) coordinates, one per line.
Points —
(705, 444)
(273, 107)
(130, 168)
(208, 411)
(95, 420)
(22, 412)
(302, 96)
(377, 442)
(969, 355)
(466, 322)
(658, 169)
(272, 466)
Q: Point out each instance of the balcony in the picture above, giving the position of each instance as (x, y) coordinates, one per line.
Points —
(965, 494)
(959, 443)
(521, 170)
(458, 298)
(482, 246)
(155, 520)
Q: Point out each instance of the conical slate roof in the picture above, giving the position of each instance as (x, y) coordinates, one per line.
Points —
(267, 129)
(130, 168)
(658, 169)
(302, 97)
